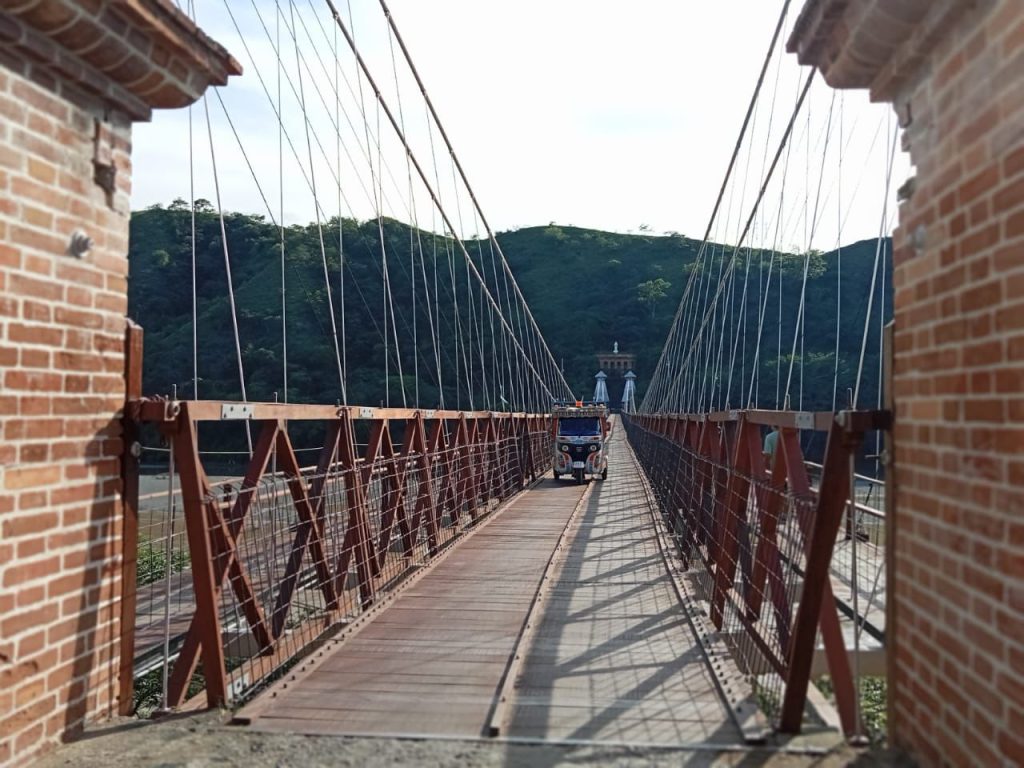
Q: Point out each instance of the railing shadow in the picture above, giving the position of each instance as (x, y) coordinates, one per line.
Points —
(625, 658)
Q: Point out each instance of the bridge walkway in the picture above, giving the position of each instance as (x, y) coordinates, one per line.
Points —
(556, 620)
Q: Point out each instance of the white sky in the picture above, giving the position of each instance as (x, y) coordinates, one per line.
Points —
(597, 114)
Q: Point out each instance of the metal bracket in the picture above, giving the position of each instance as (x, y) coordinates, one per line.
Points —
(171, 410)
(235, 412)
(428, 414)
(365, 413)
(237, 687)
(804, 420)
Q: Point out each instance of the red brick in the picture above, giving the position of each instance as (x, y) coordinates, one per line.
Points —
(14, 526)
(22, 285)
(984, 410)
(34, 334)
(40, 100)
(1014, 226)
(40, 219)
(80, 297)
(34, 452)
(984, 296)
(40, 241)
(978, 184)
(75, 582)
(984, 353)
(32, 381)
(78, 318)
(31, 476)
(1013, 163)
(978, 242)
(28, 738)
(28, 500)
(1009, 196)
(35, 358)
(1011, 744)
(31, 619)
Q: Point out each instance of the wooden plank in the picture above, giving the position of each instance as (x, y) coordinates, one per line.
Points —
(612, 655)
(529, 626)
(422, 639)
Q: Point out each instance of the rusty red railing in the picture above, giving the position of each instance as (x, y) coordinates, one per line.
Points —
(281, 556)
(757, 538)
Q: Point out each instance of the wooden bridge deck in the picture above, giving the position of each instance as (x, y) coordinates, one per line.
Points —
(607, 653)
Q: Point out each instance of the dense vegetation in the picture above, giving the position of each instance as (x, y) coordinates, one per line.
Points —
(587, 289)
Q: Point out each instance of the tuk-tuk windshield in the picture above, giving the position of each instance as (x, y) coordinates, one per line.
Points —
(579, 427)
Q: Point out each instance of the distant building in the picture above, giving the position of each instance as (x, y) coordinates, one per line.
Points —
(616, 363)
(615, 380)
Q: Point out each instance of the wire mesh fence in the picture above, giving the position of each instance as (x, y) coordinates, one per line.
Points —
(294, 552)
(743, 526)
(163, 581)
(858, 560)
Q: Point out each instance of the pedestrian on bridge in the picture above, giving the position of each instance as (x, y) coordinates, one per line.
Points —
(770, 441)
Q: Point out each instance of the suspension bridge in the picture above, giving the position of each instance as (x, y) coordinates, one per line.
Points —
(399, 560)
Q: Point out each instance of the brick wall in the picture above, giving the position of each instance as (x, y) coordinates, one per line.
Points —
(955, 73)
(959, 393)
(61, 352)
(66, 110)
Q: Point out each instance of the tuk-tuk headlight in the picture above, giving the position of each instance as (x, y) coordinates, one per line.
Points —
(593, 448)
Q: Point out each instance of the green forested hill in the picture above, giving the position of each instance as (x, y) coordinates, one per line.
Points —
(586, 288)
(582, 286)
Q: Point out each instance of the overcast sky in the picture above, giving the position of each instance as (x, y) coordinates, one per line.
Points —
(600, 114)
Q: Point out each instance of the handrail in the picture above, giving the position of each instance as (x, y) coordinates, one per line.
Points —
(736, 521)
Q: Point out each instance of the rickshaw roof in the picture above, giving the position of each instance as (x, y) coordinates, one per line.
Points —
(580, 412)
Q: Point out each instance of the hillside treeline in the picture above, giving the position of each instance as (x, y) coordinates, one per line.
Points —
(586, 288)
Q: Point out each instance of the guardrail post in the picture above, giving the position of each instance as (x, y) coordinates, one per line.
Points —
(832, 495)
(200, 518)
(133, 338)
(732, 513)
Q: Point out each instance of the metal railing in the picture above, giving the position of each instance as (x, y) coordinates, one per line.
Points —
(249, 573)
(767, 551)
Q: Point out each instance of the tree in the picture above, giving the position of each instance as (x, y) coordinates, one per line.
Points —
(651, 292)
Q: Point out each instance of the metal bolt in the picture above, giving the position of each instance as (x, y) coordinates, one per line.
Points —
(79, 244)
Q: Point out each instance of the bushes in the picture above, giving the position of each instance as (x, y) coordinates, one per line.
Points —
(873, 698)
(152, 561)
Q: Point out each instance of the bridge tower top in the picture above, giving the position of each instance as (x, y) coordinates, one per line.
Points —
(629, 393)
(601, 388)
(615, 361)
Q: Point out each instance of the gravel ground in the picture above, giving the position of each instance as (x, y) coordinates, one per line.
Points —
(205, 740)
